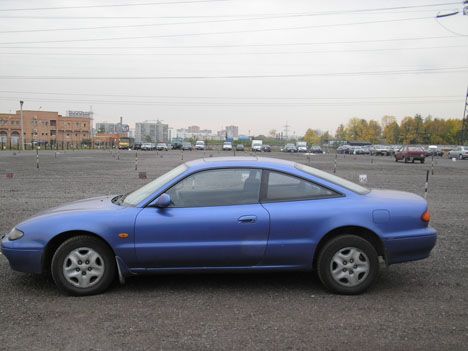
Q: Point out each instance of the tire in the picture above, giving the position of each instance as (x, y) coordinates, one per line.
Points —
(406, 160)
(95, 275)
(422, 160)
(339, 248)
(396, 160)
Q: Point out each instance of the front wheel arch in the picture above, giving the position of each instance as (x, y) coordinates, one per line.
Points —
(59, 239)
(362, 232)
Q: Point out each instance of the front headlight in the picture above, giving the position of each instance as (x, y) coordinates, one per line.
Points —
(15, 234)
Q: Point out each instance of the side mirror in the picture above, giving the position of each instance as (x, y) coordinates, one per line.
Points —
(163, 201)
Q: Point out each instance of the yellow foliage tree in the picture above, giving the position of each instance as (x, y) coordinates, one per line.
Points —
(312, 137)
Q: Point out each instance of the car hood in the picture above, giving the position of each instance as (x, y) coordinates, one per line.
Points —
(95, 204)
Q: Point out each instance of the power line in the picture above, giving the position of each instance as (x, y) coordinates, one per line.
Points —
(217, 104)
(386, 11)
(195, 22)
(181, 23)
(229, 53)
(110, 5)
(233, 97)
(218, 33)
(237, 45)
(292, 75)
(187, 1)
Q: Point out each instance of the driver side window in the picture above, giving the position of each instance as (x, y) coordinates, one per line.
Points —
(219, 187)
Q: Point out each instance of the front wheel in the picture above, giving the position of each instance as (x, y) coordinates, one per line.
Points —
(83, 265)
(348, 265)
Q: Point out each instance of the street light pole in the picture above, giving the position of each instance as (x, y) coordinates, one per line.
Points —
(22, 125)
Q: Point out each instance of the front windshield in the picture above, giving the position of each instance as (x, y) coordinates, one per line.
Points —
(139, 195)
(333, 179)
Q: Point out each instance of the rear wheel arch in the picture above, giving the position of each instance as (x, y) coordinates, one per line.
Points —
(59, 239)
(361, 232)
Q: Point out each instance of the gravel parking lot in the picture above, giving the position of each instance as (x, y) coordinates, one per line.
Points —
(413, 306)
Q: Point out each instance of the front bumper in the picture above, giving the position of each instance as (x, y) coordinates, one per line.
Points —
(26, 260)
(410, 247)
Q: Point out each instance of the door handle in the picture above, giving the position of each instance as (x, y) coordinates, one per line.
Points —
(247, 219)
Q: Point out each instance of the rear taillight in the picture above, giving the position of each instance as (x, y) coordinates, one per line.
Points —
(426, 216)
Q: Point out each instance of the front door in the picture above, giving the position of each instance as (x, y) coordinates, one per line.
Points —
(215, 221)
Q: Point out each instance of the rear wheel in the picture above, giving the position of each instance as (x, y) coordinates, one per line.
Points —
(83, 265)
(348, 265)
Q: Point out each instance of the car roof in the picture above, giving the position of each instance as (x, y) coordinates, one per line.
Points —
(240, 161)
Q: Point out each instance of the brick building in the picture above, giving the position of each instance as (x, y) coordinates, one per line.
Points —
(44, 128)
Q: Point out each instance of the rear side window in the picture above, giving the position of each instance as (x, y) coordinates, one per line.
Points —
(415, 148)
(284, 187)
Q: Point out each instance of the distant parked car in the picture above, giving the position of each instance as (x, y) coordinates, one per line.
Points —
(161, 147)
(227, 146)
(257, 145)
(361, 150)
(394, 148)
(433, 150)
(411, 153)
(315, 149)
(301, 146)
(380, 150)
(186, 146)
(289, 148)
(137, 146)
(200, 145)
(460, 152)
(240, 147)
(266, 148)
(344, 149)
(148, 146)
(177, 145)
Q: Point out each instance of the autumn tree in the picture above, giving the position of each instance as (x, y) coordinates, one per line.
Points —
(391, 133)
(387, 120)
(325, 138)
(356, 128)
(340, 133)
(372, 132)
(312, 137)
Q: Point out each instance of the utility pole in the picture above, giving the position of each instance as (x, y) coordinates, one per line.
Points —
(464, 131)
(286, 131)
(22, 125)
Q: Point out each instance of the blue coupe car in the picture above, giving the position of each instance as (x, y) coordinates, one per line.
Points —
(226, 214)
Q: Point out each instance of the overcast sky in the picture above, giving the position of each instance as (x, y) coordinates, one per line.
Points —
(398, 62)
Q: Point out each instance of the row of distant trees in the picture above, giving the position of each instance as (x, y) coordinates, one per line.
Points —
(411, 130)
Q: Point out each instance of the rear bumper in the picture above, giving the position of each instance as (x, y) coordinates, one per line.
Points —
(22, 260)
(411, 247)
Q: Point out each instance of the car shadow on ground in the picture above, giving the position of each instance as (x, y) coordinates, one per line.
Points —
(301, 281)
(250, 283)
